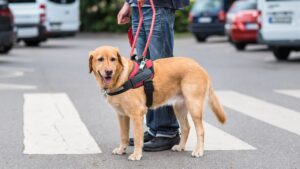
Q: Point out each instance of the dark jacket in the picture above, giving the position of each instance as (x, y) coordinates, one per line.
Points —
(174, 4)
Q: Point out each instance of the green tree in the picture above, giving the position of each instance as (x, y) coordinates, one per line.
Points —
(101, 16)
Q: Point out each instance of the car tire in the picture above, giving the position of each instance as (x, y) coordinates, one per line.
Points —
(5, 49)
(281, 54)
(200, 38)
(240, 46)
(34, 43)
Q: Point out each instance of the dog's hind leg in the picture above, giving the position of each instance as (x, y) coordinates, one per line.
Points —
(196, 110)
(181, 115)
(195, 94)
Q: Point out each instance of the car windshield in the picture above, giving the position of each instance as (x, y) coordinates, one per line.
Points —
(3, 2)
(243, 5)
(21, 1)
(207, 5)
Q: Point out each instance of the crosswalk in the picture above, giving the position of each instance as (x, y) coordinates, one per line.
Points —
(276, 115)
(292, 93)
(50, 119)
(52, 125)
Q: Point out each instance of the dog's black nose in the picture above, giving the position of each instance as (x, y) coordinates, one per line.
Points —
(108, 72)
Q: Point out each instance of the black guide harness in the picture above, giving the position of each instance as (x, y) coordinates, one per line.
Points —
(141, 75)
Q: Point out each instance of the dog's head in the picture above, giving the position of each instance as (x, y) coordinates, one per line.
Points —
(106, 64)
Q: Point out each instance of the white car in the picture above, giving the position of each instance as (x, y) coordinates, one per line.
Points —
(37, 20)
(62, 17)
(280, 26)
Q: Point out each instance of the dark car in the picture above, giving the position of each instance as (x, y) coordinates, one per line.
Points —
(7, 34)
(207, 18)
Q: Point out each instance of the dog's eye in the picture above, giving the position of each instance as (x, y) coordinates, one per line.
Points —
(101, 59)
(113, 59)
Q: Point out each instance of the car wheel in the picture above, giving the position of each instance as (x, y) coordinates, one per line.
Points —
(200, 38)
(281, 53)
(240, 46)
(5, 49)
(32, 42)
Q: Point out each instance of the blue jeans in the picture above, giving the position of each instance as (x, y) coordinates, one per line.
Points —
(162, 121)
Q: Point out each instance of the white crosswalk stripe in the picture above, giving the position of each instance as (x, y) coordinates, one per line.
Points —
(293, 93)
(216, 139)
(16, 87)
(275, 115)
(52, 125)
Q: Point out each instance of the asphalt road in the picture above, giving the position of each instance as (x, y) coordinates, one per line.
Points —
(261, 97)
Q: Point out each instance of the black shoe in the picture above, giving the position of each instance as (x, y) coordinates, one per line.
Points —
(161, 143)
(147, 137)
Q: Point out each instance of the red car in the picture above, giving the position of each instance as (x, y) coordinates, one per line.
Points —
(244, 24)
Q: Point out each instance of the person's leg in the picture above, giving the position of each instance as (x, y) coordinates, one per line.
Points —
(141, 42)
(162, 121)
(140, 45)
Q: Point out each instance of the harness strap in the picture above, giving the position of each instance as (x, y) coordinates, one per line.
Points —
(134, 82)
(148, 87)
(141, 77)
(138, 78)
(122, 89)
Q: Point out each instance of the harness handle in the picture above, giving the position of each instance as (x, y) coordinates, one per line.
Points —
(139, 29)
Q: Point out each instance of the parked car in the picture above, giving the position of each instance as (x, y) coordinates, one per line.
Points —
(37, 20)
(207, 18)
(242, 23)
(7, 34)
(30, 21)
(280, 26)
(62, 17)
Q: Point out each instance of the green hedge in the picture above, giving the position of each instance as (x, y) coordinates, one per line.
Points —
(101, 16)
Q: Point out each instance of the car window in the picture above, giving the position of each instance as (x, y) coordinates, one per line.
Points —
(21, 1)
(243, 5)
(63, 1)
(3, 2)
(207, 5)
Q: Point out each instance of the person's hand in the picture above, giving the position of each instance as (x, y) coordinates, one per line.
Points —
(141, 2)
(124, 14)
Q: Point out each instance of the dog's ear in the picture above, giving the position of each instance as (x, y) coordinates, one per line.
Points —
(119, 56)
(91, 62)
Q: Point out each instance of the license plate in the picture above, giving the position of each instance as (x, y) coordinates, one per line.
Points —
(281, 17)
(55, 26)
(27, 32)
(251, 26)
(204, 20)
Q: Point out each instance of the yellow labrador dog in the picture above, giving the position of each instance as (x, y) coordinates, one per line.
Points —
(178, 81)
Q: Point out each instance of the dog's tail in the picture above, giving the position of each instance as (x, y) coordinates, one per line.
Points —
(216, 106)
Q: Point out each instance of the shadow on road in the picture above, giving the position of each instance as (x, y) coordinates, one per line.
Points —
(294, 60)
(4, 61)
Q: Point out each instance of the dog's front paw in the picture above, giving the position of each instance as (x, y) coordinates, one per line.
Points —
(178, 148)
(135, 157)
(119, 151)
(197, 153)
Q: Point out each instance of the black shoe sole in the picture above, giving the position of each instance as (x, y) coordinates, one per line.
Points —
(168, 147)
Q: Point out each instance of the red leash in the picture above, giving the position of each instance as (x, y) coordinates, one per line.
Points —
(139, 29)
